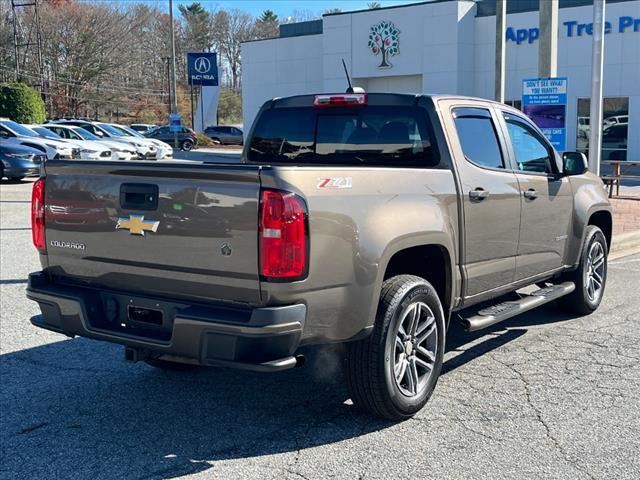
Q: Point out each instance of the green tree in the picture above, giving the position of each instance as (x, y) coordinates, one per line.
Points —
(267, 25)
(229, 106)
(21, 103)
(197, 27)
(374, 5)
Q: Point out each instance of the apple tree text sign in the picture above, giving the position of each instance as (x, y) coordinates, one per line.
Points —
(383, 40)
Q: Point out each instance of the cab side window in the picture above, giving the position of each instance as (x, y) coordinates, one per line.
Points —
(531, 152)
(478, 137)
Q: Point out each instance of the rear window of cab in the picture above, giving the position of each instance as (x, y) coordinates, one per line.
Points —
(363, 135)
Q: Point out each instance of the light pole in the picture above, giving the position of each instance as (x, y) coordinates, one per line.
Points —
(174, 102)
(597, 68)
(501, 25)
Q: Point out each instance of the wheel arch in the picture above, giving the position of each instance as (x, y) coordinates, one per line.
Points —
(431, 260)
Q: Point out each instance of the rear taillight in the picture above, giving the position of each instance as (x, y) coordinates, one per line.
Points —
(340, 100)
(283, 236)
(37, 215)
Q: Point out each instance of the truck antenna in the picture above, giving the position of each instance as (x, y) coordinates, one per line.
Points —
(346, 72)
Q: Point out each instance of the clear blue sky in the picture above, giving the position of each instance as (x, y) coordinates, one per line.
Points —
(283, 8)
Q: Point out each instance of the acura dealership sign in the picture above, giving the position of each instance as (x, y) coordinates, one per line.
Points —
(202, 69)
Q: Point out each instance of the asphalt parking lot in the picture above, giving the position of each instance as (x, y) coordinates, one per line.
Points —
(541, 396)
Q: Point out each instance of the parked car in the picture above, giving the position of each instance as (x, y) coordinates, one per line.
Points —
(224, 135)
(142, 127)
(615, 120)
(17, 161)
(369, 220)
(161, 149)
(118, 150)
(15, 134)
(88, 150)
(187, 138)
(106, 131)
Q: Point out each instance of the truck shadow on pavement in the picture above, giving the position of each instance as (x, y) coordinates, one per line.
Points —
(74, 409)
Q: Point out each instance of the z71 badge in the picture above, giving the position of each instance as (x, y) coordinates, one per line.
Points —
(334, 182)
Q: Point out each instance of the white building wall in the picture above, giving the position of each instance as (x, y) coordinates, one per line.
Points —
(621, 71)
(279, 67)
(447, 49)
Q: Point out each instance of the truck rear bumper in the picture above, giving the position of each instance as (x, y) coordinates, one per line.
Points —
(263, 339)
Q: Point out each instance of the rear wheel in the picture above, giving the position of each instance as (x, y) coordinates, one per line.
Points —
(187, 145)
(393, 372)
(15, 179)
(590, 277)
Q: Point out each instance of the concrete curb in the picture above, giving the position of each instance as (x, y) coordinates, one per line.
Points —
(625, 244)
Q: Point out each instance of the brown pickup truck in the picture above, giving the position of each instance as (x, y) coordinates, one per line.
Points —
(365, 219)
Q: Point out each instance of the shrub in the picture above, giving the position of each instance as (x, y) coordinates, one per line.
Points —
(204, 141)
(21, 103)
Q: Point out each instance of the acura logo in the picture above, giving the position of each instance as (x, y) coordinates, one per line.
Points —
(202, 65)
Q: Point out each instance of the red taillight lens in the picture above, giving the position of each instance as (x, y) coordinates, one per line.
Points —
(283, 236)
(340, 100)
(37, 215)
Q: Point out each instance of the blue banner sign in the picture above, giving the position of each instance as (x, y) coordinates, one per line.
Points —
(175, 122)
(544, 101)
(202, 69)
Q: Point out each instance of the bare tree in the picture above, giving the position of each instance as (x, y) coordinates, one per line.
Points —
(230, 29)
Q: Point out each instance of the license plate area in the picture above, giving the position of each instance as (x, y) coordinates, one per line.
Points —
(146, 316)
(136, 316)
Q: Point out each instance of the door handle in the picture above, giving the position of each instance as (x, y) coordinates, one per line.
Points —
(478, 194)
(531, 194)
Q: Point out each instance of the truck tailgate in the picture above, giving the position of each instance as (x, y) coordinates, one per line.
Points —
(189, 231)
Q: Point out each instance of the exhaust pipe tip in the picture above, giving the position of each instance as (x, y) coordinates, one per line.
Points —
(300, 360)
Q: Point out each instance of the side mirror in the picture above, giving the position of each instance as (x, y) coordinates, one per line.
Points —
(3, 134)
(574, 163)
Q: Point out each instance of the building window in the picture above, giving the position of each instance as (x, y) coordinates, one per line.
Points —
(514, 103)
(615, 127)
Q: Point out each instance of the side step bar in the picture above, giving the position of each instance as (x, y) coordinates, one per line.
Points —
(497, 313)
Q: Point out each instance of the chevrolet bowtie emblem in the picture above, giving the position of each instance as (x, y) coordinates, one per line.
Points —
(137, 225)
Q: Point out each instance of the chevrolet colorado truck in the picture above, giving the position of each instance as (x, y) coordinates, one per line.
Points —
(365, 219)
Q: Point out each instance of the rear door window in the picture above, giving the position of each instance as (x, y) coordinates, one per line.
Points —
(372, 135)
(478, 138)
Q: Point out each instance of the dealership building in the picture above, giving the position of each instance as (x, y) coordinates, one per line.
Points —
(448, 46)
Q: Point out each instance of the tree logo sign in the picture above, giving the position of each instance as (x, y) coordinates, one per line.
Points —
(383, 40)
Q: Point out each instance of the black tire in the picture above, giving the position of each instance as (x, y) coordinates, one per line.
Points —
(369, 365)
(171, 366)
(580, 301)
(15, 179)
(216, 140)
(187, 145)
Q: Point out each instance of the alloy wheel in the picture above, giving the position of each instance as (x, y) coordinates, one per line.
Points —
(595, 272)
(416, 343)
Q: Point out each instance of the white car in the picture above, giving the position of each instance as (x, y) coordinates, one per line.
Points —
(16, 134)
(142, 127)
(615, 120)
(163, 150)
(107, 132)
(88, 150)
(118, 150)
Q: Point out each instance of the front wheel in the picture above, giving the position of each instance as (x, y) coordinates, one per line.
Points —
(187, 145)
(590, 277)
(393, 372)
